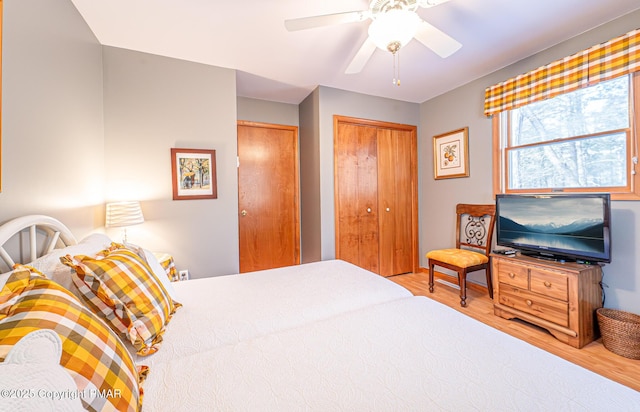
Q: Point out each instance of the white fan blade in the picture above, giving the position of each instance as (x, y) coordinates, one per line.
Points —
(304, 23)
(435, 39)
(362, 57)
(430, 3)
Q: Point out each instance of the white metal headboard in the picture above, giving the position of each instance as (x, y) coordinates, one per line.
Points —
(53, 229)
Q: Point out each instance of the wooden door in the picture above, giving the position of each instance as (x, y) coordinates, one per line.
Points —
(356, 195)
(268, 196)
(395, 205)
(376, 195)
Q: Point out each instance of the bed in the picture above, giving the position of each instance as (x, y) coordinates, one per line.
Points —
(329, 336)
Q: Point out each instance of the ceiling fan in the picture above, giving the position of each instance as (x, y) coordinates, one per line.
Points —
(394, 23)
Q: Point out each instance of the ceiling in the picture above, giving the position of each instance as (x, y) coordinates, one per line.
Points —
(278, 65)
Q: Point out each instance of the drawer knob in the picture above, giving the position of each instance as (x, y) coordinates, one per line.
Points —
(512, 275)
(547, 284)
(529, 302)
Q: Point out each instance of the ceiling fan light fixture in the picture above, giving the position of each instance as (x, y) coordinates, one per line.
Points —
(394, 29)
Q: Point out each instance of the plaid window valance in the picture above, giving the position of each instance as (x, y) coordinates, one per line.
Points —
(605, 61)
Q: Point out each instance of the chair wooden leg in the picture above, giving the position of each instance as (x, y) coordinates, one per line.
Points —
(431, 266)
(462, 282)
(489, 281)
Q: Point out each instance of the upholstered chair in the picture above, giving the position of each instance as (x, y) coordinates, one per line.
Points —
(474, 231)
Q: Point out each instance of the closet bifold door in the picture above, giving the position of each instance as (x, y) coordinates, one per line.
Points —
(394, 197)
(376, 201)
(357, 202)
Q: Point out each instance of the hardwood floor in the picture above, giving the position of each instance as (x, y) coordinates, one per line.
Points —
(593, 356)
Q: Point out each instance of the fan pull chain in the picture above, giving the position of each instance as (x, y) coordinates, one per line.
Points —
(396, 68)
(394, 49)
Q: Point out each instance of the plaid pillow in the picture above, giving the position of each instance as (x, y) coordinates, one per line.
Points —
(164, 274)
(102, 368)
(121, 288)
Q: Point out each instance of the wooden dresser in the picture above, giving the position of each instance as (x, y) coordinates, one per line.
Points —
(559, 297)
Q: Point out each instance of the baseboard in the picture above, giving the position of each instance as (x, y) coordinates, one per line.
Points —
(454, 279)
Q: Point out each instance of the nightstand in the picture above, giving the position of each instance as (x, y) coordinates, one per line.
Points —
(166, 261)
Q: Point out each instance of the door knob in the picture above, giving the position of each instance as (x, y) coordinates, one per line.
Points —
(243, 213)
(388, 209)
(368, 210)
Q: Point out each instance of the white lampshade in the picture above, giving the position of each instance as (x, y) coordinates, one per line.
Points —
(123, 214)
(394, 26)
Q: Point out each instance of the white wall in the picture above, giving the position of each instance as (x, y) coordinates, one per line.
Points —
(464, 107)
(52, 115)
(152, 104)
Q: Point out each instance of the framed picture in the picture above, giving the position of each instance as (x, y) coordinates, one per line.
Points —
(451, 154)
(194, 174)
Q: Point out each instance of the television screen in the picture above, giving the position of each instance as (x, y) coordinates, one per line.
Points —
(560, 226)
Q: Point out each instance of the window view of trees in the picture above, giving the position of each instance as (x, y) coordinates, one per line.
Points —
(575, 140)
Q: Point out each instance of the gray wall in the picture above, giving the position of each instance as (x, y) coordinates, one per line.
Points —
(316, 157)
(152, 104)
(263, 111)
(310, 200)
(464, 107)
(84, 124)
(334, 101)
(316, 151)
(52, 115)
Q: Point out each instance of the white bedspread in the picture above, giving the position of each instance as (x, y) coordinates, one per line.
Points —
(411, 354)
(229, 309)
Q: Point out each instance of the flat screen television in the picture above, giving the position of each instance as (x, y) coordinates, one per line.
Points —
(570, 227)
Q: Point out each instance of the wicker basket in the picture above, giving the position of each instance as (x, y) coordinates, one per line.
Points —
(620, 332)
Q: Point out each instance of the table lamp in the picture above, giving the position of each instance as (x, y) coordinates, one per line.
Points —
(123, 214)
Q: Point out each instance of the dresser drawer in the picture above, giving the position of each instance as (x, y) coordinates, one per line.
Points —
(551, 284)
(542, 307)
(514, 275)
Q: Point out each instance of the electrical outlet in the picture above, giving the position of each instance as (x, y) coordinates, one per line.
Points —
(184, 275)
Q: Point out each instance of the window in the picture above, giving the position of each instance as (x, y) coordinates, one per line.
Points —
(579, 141)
